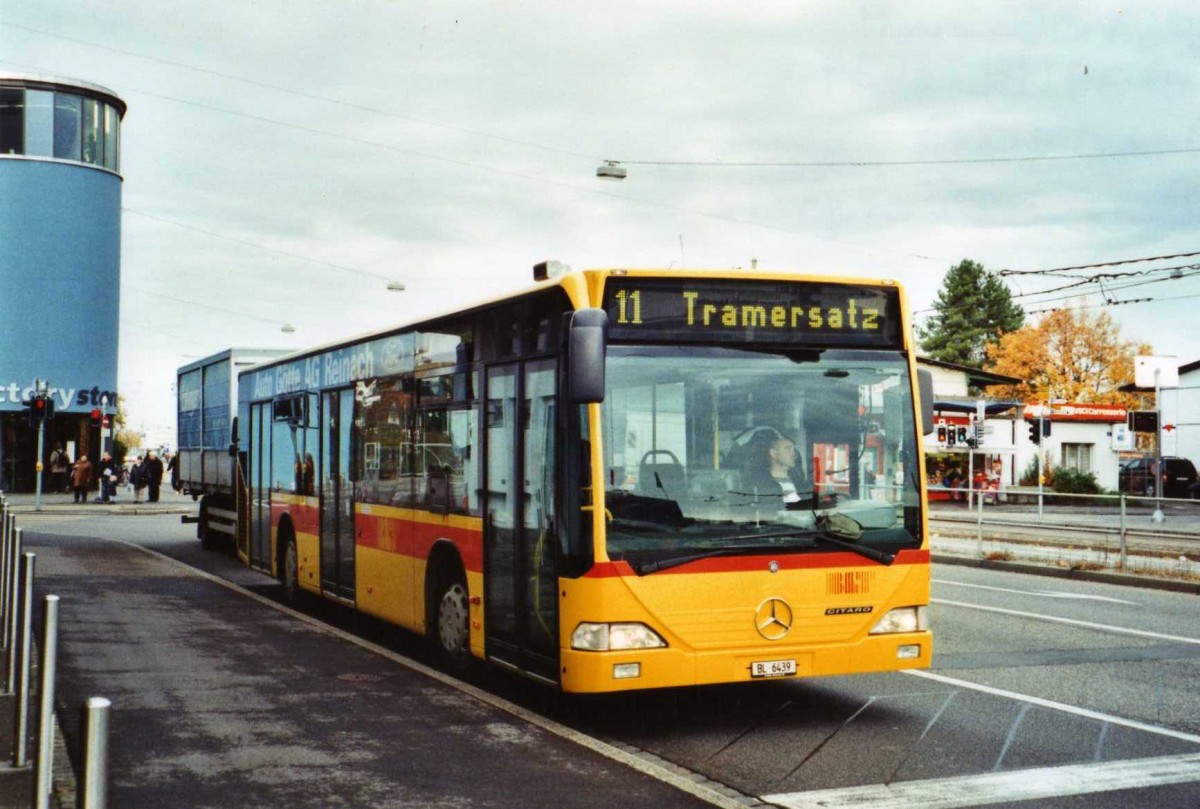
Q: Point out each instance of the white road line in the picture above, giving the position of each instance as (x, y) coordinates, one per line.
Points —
(1038, 593)
(1073, 622)
(679, 780)
(1007, 787)
(1056, 706)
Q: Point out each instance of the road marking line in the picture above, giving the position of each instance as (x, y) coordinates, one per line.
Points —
(1056, 706)
(1073, 622)
(1008, 787)
(1038, 593)
(680, 780)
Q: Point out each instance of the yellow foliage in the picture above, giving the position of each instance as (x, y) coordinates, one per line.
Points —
(1068, 354)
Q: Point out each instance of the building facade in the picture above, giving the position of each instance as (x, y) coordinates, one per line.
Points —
(60, 237)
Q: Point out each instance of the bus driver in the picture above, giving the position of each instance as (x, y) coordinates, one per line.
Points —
(775, 469)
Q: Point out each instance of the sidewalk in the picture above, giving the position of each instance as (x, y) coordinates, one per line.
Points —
(221, 698)
(170, 502)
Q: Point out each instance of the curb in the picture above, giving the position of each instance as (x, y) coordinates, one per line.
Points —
(1123, 579)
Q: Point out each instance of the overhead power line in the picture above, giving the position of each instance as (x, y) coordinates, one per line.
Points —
(1093, 266)
(299, 93)
(932, 162)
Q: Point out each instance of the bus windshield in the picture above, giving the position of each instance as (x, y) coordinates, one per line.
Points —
(725, 450)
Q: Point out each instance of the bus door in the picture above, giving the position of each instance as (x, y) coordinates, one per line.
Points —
(520, 526)
(337, 494)
(260, 484)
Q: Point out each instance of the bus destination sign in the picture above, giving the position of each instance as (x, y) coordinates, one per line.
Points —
(691, 310)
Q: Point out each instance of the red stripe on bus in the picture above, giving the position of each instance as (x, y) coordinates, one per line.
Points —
(415, 538)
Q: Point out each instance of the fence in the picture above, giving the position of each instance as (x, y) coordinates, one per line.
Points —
(1147, 527)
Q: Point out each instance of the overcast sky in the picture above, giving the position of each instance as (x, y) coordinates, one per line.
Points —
(284, 160)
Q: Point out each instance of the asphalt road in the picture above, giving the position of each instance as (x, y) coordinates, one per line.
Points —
(1043, 693)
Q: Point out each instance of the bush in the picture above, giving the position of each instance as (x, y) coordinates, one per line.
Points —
(1072, 481)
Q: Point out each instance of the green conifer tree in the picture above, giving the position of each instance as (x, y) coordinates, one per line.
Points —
(973, 308)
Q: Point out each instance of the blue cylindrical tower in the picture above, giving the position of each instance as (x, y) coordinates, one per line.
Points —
(60, 266)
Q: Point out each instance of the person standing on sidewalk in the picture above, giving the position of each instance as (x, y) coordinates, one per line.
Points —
(108, 478)
(154, 475)
(81, 476)
(60, 465)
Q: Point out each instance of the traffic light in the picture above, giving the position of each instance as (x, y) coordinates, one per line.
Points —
(1035, 431)
(97, 417)
(941, 432)
(962, 435)
(39, 409)
(1045, 428)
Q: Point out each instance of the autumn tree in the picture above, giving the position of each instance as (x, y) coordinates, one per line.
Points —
(973, 308)
(1067, 354)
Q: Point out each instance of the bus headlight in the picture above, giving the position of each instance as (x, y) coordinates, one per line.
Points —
(615, 637)
(902, 619)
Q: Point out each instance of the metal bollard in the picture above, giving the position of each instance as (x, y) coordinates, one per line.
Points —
(23, 642)
(93, 781)
(44, 765)
(10, 614)
(1124, 545)
(5, 537)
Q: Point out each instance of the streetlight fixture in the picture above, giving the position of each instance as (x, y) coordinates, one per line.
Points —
(287, 328)
(611, 170)
(395, 286)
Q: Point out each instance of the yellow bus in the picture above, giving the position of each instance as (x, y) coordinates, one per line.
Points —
(616, 480)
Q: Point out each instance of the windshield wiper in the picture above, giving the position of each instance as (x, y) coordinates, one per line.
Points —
(882, 557)
(874, 554)
(676, 561)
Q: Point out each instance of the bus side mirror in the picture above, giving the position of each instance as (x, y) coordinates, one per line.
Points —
(587, 344)
(925, 390)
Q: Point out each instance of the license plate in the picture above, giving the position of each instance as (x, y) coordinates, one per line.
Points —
(772, 668)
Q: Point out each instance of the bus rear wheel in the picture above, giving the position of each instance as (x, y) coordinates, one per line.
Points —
(453, 629)
(290, 572)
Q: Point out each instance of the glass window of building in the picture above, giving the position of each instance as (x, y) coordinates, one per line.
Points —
(39, 123)
(12, 134)
(93, 131)
(68, 114)
(112, 122)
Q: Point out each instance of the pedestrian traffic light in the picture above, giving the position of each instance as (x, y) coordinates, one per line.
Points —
(97, 417)
(1035, 432)
(38, 409)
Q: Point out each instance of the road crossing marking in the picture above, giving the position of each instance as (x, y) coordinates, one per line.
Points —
(1006, 787)
(1056, 706)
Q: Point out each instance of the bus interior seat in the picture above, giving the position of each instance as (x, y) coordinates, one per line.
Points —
(661, 478)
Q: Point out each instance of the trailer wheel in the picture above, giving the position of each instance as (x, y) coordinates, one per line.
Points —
(203, 533)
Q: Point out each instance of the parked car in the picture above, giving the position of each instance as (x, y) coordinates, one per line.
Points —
(1138, 477)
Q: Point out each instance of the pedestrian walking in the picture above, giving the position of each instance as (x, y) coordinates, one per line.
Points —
(173, 470)
(137, 478)
(154, 476)
(60, 467)
(81, 476)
